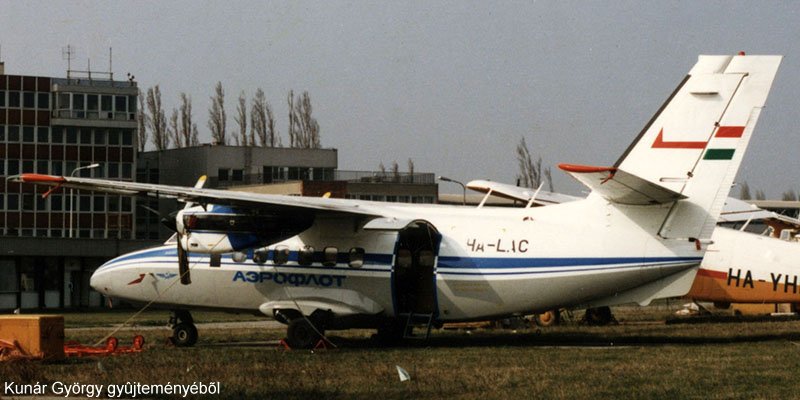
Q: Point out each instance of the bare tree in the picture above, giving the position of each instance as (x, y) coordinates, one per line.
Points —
(141, 122)
(188, 129)
(194, 141)
(530, 173)
(306, 133)
(395, 172)
(174, 129)
(262, 122)
(760, 195)
(241, 119)
(789, 195)
(411, 170)
(381, 172)
(744, 191)
(217, 117)
(292, 131)
(273, 137)
(157, 121)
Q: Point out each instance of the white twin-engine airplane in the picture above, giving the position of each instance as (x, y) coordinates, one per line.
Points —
(319, 263)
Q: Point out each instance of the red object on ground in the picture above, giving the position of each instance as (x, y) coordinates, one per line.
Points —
(75, 349)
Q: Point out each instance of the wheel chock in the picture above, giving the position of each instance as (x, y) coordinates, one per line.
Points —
(283, 345)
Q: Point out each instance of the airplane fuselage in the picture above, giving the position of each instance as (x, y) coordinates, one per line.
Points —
(465, 263)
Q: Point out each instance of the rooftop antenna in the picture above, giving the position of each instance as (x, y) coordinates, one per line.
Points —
(110, 70)
(66, 54)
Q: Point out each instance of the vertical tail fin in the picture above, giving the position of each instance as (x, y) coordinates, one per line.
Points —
(695, 143)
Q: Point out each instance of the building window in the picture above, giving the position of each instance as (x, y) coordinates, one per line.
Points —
(56, 202)
(41, 167)
(13, 134)
(222, 174)
(28, 100)
(13, 202)
(13, 99)
(126, 204)
(27, 202)
(100, 136)
(237, 175)
(27, 134)
(58, 136)
(63, 101)
(105, 104)
(127, 171)
(91, 106)
(86, 136)
(85, 203)
(72, 136)
(113, 170)
(42, 135)
(13, 167)
(27, 166)
(127, 137)
(44, 101)
(113, 137)
(99, 203)
(2, 98)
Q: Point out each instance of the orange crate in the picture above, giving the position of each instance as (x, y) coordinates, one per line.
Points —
(38, 335)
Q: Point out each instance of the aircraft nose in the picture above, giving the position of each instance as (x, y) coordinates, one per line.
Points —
(100, 282)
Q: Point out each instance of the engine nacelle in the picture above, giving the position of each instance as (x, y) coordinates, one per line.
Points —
(223, 229)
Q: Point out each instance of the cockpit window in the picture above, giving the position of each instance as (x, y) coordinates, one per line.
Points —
(172, 239)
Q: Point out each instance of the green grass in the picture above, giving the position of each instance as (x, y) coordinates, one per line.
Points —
(74, 319)
(756, 360)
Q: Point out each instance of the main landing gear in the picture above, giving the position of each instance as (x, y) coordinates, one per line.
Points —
(184, 332)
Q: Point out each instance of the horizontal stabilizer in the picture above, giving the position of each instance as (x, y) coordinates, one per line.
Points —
(618, 186)
(512, 192)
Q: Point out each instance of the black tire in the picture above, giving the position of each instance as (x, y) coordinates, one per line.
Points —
(599, 316)
(301, 335)
(184, 335)
(391, 333)
(548, 318)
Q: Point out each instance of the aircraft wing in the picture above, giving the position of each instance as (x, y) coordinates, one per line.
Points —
(512, 192)
(618, 186)
(206, 196)
(736, 210)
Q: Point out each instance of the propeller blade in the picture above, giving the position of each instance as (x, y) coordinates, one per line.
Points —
(183, 264)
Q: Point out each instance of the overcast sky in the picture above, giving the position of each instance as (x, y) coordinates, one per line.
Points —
(451, 85)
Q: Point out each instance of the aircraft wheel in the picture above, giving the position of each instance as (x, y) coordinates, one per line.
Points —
(301, 335)
(184, 334)
(391, 333)
(548, 318)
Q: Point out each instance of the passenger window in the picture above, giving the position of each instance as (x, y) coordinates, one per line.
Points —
(306, 256)
(215, 260)
(356, 257)
(404, 258)
(260, 256)
(281, 255)
(329, 256)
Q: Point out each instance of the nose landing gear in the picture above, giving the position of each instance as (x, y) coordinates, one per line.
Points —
(184, 332)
